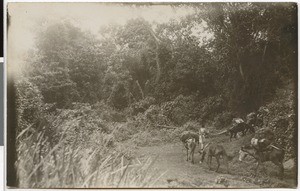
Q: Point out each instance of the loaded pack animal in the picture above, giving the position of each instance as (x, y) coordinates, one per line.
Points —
(271, 153)
(189, 140)
(187, 134)
(240, 127)
(255, 119)
(217, 151)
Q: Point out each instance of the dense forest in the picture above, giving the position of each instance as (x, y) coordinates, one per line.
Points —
(85, 102)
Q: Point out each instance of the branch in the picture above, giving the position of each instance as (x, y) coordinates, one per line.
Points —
(140, 88)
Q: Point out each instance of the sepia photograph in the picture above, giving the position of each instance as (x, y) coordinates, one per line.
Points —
(151, 95)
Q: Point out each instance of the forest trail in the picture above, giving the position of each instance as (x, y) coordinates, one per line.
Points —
(178, 173)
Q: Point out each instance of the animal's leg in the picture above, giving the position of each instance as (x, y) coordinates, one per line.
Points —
(192, 157)
(258, 163)
(202, 157)
(209, 162)
(226, 163)
(231, 134)
(218, 162)
(281, 169)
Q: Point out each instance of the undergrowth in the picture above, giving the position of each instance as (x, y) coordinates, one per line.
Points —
(77, 148)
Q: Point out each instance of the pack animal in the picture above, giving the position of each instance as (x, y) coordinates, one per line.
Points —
(217, 151)
(189, 140)
(190, 146)
(187, 134)
(240, 127)
(272, 154)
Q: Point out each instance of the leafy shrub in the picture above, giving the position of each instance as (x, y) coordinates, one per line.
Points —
(82, 155)
(155, 115)
(125, 131)
(181, 109)
(107, 113)
(211, 106)
(192, 126)
(118, 97)
(222, 120)
(29, 102)
(142, 105)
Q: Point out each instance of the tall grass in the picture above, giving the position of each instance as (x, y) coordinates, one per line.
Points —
(77, 159)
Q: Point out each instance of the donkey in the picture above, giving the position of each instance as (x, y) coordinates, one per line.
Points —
(271, 153)
(217, 151)
(240, 127)
(187, 135)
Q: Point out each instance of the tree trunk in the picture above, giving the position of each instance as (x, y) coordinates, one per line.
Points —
(158, 64)
(240, 65)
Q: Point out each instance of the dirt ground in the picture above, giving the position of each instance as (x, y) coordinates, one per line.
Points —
(178, 173)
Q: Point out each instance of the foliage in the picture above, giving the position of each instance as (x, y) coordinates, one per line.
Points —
(250, 69)
(181, 109)
(85, 102)
(142, 105)
(30, 102)
(192, 126)
(282, 119)
(86, 154)
(223, 120)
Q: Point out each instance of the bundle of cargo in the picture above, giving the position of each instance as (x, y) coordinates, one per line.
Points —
(263, 138)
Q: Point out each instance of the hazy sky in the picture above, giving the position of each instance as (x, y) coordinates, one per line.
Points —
(27, 17)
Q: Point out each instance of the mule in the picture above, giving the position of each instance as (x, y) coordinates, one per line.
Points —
(217, 151)
(271, 153)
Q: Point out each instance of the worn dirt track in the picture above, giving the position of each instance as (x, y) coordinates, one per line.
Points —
(171, 160)
(180, 173)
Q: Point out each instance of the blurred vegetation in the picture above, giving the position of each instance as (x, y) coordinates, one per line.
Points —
(85, 103)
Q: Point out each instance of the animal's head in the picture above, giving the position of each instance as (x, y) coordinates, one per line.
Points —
(190, 141)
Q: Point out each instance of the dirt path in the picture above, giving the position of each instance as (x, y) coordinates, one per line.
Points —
(180, 173)
(171, 160)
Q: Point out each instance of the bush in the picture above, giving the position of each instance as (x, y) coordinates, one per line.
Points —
(84, 155)
(107, 113)
(155, 116)
(222, 120)
(181, 109)
(29, 102)
(192, 126)
(211, 106)
(142, 105)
